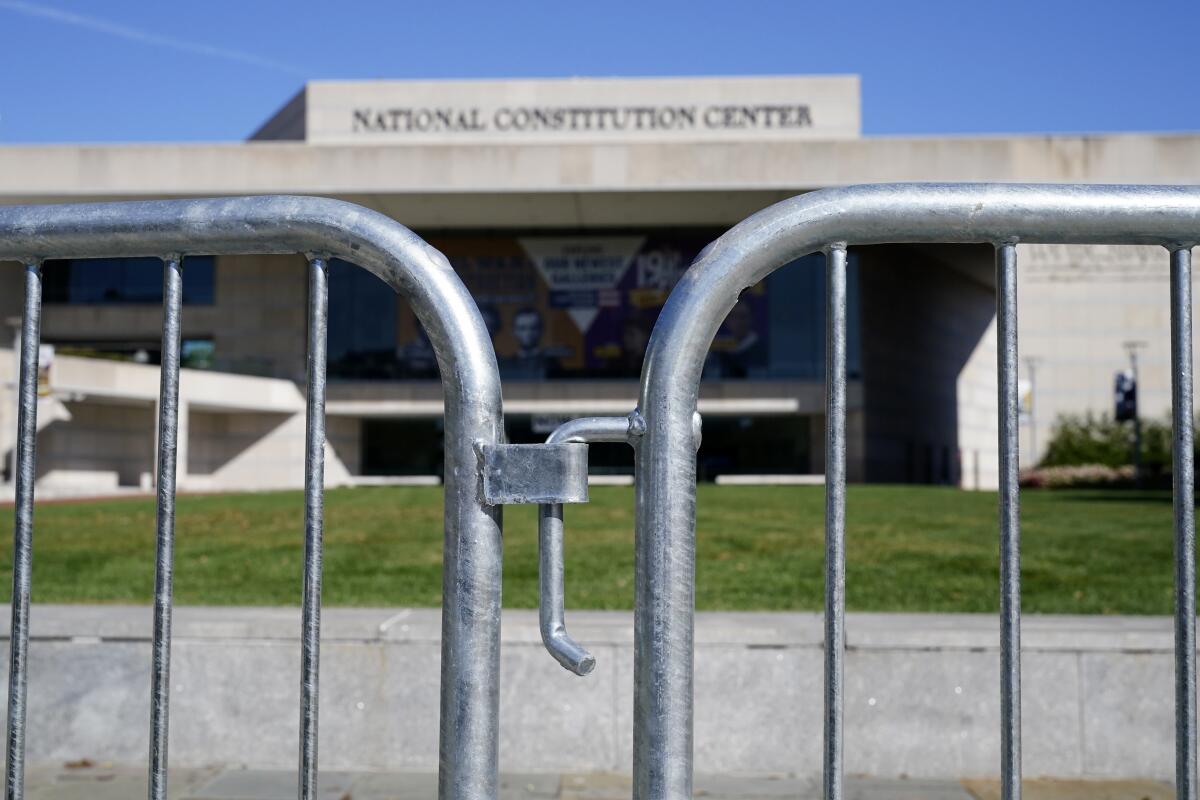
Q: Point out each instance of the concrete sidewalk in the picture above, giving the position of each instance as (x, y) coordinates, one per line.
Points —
(80, 780)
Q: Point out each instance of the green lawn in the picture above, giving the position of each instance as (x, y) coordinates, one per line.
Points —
(909, 549)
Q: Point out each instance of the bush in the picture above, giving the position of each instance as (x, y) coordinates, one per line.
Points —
(1099, 440)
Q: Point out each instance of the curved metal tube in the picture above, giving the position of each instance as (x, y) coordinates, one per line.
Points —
(666, 474)
(473, 416)
(551, 592)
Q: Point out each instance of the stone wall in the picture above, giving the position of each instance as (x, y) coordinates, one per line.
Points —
(922, 692)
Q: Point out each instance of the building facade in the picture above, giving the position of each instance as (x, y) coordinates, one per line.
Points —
(570, 208)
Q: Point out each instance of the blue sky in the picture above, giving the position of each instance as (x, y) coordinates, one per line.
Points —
(122, 70)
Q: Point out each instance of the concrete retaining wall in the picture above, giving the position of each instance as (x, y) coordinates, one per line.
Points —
(922, 692)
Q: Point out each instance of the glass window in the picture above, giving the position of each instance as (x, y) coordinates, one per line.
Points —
(362, 327)
(402, 447)
(196, 353)
(759, 445)
(122, 281)
(777, 328)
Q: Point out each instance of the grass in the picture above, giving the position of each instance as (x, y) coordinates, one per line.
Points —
(908, 549)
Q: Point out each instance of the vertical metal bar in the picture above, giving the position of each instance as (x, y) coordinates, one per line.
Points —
(168, 448)
(664, 610)
(835, 513)
(1183, 475)
(1010, 525)
(314, 523)
(31, 333)
(469, 727)
(552, 594)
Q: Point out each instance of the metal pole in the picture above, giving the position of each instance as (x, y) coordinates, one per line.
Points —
(314, 523)
(664, 601)
(1010, 525)
(835, 514)
(168, 448)
(31, 333)
(1183, 475)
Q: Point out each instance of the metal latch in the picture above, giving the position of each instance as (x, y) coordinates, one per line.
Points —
(535, 473)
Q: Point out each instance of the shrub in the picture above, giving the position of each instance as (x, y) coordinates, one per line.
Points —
(1099, 440)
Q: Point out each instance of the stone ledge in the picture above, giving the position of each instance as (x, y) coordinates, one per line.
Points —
(864, 631)
(921, 692)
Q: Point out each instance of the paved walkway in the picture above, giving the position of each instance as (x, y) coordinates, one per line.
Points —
(89, 781)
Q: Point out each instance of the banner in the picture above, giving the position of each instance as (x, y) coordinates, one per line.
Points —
(582, 306)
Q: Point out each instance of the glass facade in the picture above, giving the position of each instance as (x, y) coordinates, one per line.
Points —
(124, 281)
(582, 307)
(568, 308)
(362, 326)
(402, 446)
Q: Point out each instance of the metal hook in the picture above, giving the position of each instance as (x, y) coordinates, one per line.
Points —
(551, 592)
(551, 602)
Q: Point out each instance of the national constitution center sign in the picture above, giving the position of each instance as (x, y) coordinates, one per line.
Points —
(568, 110)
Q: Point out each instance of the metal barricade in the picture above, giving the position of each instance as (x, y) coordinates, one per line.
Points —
(483, 472)
(321, 229)
(668, 433)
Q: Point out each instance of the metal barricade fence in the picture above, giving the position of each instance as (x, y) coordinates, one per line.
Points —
(830, 221)
(321, 229)
(483, 472)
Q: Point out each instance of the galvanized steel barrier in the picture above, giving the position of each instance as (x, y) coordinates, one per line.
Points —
(831, 220)
(321, 229)
(483, 472)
